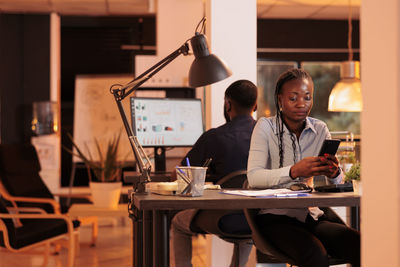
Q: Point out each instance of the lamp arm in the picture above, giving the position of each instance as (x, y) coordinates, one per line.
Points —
(119, 94)
(145, 76)
(142, 160)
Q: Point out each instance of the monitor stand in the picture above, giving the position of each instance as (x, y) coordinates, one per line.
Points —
(159, 159)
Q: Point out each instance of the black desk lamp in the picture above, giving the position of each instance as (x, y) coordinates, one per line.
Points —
(205, 69)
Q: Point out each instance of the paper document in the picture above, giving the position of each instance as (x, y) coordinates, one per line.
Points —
(283, 192)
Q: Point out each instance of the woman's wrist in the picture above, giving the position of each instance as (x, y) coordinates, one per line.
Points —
(337, 173)
(292, 173)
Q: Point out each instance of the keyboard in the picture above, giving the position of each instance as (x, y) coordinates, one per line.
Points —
(347, 187)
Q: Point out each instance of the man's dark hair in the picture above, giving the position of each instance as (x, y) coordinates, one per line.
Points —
(243, 93)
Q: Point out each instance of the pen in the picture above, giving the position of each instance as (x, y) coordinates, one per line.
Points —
(189, 176)
(292, 195)
(183, 175)
(207, 163)
(187, 162)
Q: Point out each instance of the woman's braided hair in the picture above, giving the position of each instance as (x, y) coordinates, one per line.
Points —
(289, 75)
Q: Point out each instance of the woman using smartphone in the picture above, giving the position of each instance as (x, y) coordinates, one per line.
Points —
(284, 151)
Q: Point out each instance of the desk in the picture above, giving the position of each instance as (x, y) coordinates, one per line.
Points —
(149, 215)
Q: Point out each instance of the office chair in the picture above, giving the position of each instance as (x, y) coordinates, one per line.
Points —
(232, 180)
(37, 229)
(266, 252)
(22, 186)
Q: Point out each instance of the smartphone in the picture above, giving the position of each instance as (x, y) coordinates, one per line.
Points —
(330, 146)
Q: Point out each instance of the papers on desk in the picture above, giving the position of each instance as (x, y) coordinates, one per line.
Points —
(162, 188)
(283, 192)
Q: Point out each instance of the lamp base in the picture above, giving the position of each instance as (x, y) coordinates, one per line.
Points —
(140, 188)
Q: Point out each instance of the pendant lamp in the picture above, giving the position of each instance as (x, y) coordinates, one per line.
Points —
(346, 94)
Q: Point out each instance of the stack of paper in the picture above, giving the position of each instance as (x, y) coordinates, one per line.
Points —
(162, 188)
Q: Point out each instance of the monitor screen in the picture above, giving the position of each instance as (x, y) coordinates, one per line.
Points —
(166, 121)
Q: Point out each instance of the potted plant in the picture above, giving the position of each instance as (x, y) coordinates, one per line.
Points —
(346, 160)
(105, 183)
(353, 175)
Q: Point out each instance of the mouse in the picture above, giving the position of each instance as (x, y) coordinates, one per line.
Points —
(300, 187)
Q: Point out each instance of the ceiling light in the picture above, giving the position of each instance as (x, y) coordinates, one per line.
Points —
(346, 94)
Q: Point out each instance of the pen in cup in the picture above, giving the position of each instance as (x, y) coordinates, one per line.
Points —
(189, 174)
(182, 174)
(188, 188)
(207, 162)
(187, 162)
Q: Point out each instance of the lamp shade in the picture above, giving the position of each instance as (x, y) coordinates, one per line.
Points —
(206, 68)
(346, 94)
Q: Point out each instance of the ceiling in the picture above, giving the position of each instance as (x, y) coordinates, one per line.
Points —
(295, 9)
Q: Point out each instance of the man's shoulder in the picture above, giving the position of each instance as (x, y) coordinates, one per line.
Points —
(239, 123)
(207, 135)
(211, 131)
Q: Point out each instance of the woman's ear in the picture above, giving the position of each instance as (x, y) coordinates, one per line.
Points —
(279, 102)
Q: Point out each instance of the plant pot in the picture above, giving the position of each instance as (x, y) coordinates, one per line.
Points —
(357, 187)
(106, 195)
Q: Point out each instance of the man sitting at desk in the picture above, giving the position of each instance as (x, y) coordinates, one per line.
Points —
(228, 146)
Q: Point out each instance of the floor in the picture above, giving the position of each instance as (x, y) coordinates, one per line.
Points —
(113, 248)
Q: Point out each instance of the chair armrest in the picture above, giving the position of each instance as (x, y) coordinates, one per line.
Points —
(26, 210)
(67, 220)
(230, 176)
(52, 202)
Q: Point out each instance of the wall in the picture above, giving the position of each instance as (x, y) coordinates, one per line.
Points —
(380, 129)
(92, 45)
(317, 40)
(24, 72)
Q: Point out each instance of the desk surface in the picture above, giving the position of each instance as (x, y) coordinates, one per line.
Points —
(213, 199)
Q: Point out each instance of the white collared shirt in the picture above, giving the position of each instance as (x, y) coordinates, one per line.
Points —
(263, 164)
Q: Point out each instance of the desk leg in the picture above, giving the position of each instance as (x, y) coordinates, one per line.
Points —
(355, 217)
(137, 231)
(148, 239)
(160, 238)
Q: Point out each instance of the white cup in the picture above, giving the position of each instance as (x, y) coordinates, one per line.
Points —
(195, 175)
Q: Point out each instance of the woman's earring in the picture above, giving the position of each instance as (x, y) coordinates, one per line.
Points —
(280, 109)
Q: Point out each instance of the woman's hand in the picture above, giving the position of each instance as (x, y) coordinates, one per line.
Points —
(333, 164)
(312, 166)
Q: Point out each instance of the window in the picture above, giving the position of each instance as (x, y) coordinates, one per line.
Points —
(325, 75)
(267, 74)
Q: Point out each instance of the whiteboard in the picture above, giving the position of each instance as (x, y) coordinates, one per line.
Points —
(96, 114)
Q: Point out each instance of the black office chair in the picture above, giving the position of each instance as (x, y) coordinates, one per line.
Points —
(22, 186)
(267, 253)
(236, 179)
(232, 180)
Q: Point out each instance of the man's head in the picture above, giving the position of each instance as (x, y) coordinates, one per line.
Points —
(240, 98)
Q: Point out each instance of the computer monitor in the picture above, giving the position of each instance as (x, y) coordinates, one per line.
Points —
(166, 122)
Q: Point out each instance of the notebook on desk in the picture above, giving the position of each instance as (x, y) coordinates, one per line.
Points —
(347, 187)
